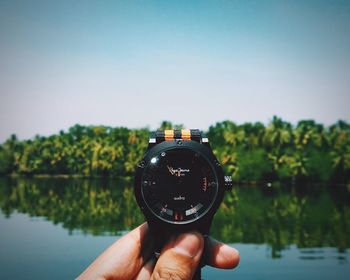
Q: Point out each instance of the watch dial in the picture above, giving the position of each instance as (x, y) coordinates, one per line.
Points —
(179, 185)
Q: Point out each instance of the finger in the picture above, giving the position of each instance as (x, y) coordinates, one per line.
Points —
(124, 258)
(220, 255)
(146, 271)
(180, 257)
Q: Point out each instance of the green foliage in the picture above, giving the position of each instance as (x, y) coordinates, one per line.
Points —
(7, 155)
(319, 165)
(249, 152)
(6, 161)
(169, 125)
(253, 165)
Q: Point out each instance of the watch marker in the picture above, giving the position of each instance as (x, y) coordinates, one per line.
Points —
(178, 216)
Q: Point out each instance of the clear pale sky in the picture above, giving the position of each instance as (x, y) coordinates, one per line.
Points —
(136, 63)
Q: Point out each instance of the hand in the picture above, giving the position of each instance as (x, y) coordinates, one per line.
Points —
(131, 257)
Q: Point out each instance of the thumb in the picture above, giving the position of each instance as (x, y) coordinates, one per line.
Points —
(180, 258)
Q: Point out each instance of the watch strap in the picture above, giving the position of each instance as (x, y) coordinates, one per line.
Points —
(174, 134)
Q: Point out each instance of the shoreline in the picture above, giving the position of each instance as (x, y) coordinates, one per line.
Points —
(270, 184)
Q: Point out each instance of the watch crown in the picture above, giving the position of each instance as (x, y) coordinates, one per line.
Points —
(141, 164)
(228, 183)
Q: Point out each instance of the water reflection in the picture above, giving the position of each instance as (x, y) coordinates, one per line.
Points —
(315, 254)
(91, 206)
(309, 217)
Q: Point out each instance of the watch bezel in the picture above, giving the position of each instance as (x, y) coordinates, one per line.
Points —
(201, 149)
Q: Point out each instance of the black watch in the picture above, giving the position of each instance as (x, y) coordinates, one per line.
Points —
(179, 184)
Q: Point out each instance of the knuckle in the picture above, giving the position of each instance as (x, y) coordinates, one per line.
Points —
(167, 273)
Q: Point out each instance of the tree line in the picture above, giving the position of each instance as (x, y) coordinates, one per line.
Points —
(250, 152)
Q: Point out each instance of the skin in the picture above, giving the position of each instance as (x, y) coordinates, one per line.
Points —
(131, 257)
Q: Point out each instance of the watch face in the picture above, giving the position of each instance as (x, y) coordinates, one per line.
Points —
(179, 185)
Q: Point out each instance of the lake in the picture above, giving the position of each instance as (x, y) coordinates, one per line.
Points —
(53, 228)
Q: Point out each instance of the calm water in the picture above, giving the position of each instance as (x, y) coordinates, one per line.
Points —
(53, 228)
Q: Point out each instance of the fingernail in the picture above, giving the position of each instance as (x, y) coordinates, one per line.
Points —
(189, 244)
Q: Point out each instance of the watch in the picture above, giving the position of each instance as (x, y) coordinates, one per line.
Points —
(179, 184)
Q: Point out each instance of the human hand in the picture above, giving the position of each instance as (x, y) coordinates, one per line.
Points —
(131, 257)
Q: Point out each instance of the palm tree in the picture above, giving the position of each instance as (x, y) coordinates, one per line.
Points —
(277, 134)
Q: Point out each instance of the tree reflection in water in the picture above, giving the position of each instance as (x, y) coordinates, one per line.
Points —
(307, 216)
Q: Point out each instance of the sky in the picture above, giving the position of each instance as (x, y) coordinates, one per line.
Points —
(137, 63)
